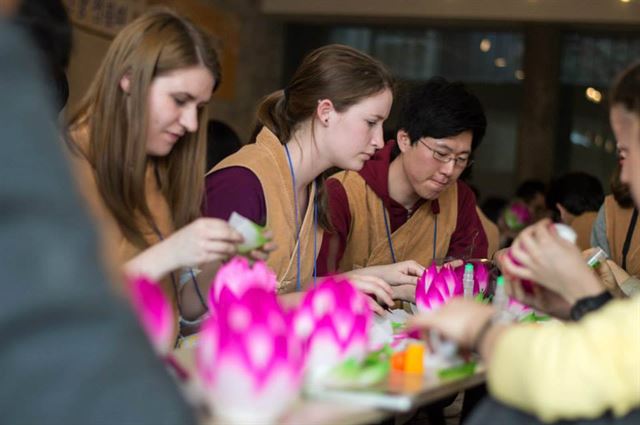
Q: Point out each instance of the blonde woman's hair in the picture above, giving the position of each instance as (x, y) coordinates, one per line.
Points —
(156, 43)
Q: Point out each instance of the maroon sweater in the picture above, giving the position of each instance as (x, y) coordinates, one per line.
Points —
(468, 239)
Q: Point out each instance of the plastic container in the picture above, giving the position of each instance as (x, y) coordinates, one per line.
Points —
(597, 258)
(467, 280)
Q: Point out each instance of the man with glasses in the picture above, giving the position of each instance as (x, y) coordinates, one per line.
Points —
(407, 202)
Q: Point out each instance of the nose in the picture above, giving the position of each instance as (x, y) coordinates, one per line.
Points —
(189, 119)
(447, 168)
(378, 138)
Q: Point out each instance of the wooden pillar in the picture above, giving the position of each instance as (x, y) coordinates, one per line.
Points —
(540, 101)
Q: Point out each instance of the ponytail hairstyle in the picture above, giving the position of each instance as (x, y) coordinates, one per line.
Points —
(341, 74)
(156, 43)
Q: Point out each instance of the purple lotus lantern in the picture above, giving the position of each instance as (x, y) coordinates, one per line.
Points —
(154, 313)
(481, 279)
(249, 360)
(237, 276)
(435, 287)
(454, 283)
(333, 321)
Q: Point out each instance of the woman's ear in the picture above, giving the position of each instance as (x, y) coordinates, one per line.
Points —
(125, 83)
(324, 111)
(403, 140)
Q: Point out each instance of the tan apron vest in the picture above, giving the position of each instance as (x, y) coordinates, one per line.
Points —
(367, 243)
(267, 160)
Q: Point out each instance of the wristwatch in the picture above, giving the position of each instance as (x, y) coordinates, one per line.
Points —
(589, 304)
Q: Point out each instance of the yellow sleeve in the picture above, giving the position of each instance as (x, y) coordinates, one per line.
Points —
(571, 370)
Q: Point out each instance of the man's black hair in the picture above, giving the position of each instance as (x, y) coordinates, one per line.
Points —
(440, 109)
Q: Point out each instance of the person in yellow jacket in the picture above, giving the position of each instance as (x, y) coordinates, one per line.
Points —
(587, 370)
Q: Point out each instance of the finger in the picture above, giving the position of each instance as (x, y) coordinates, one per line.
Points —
(455, 263)
(218, 229)
(378, 289)
(259, 255)
(421, 322)
(268, 234)
(404, 279)
(377, 308)
(380, 283)
(269, 247)
(511, 269)
(218, 247)
(413, 268)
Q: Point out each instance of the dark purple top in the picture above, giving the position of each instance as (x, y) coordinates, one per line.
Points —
(234, 189)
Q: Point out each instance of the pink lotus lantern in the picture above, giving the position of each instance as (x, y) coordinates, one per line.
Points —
(154, 313)
(333, 321)
(249, 360)
(435, 287)
(481, 279)
(237, 276)
(454, 283)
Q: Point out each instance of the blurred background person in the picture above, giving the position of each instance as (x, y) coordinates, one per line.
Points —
(574, 199)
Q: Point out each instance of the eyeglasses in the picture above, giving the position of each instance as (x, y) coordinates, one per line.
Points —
(445, 159)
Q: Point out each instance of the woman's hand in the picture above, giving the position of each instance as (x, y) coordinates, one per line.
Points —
(372, 285)
(402, 273)
(458, 320)
(262, 253)
(203, 241)
(550, 261)
(542, 299)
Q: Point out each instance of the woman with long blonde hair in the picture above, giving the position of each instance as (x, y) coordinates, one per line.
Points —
(138, 141)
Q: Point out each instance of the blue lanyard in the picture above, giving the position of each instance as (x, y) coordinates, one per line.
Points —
(390, 242)
(315, 221)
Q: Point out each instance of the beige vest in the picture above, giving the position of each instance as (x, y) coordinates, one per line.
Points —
(617, 221)
(582, 225)
(267, 160)
(367, 242)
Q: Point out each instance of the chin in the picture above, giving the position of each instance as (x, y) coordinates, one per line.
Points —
(354, 165)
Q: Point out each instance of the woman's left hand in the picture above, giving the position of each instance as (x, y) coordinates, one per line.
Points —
(262, 253)
(458, 320)
(402, 273)
(552, 262)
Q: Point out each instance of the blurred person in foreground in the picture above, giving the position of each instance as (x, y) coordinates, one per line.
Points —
(71, 353)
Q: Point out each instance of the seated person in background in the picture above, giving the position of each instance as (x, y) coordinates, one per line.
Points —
(492, 208)
(407, 203)
(330, 115)
(575, 199)
(144, 182)
(222, 141)
(588, 370)
(616, 232)
(532, 193)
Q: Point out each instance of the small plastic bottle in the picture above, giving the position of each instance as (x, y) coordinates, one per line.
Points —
(467, 280)
(597, 258)
(501, 302)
